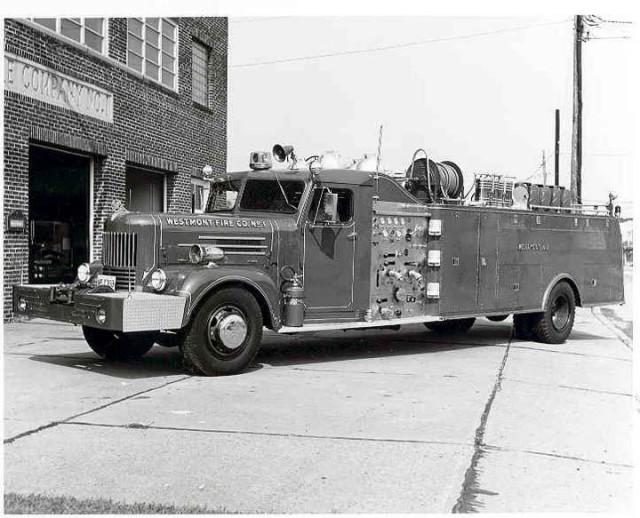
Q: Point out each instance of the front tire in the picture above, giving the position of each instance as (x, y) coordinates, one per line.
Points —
(116, 345)
(452, 326)
(224, 335)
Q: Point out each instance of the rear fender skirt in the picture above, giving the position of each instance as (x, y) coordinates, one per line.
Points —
(556, 280)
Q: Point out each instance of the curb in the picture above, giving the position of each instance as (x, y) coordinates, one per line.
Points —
(619, 334)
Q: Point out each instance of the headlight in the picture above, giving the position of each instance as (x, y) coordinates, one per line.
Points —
(204, 253)
(84, 273)
(101, 316)
(22, 304)
(158, 280)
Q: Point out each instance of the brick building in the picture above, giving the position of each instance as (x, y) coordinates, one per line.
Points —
(98, 110)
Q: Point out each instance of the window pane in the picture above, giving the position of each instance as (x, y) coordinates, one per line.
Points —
(168, 29)
(167, 45)
(95, 24)
(92, 41)
(70, 28)
(152, 70)
(151, 54)
(135, 27)
(168, 79)
(135, 62)
(152, 37)
(135, 44)
(199, 73)
(152, 22)
(167, 62)
(49, 23)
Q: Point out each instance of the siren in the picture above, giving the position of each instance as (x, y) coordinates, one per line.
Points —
(282, 153)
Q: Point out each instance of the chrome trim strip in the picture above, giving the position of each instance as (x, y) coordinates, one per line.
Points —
(356, 325)
(239, 238)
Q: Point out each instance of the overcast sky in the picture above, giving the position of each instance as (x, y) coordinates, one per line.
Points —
(478, 91)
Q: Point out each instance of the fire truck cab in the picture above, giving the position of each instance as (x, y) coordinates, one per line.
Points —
(313, 249)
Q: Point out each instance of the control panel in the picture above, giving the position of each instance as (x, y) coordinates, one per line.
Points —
(399, 268)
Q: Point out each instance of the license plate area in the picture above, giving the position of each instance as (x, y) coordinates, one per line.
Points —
(106, 280)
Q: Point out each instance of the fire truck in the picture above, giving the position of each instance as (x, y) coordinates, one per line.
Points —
(327, 247)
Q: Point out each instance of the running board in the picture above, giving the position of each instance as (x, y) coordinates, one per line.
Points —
(333, 326)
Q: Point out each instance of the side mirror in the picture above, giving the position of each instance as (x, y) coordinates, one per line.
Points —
(330, 207)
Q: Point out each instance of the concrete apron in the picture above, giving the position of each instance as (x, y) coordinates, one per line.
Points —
(376, 421)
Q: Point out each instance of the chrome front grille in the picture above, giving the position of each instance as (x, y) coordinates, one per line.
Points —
(119, 249)
(119, 256)
(241, 245)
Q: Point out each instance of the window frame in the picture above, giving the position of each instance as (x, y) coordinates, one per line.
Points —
(207, 70)
(311, 218)
(83, 28)
(205, 185)
(159, 48)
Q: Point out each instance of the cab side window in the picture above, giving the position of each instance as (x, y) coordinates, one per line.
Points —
(317, 213)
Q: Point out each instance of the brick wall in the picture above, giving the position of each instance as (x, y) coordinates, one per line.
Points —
(160, 126)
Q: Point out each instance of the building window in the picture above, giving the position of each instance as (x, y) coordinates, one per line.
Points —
(200, 73)
(87, 31)
(199, 194)
(152, 46)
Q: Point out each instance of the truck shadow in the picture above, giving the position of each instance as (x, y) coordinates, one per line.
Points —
(279, 350)
(159, 362)
(304, 349)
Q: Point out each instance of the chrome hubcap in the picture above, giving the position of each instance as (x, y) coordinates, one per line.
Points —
(228, 328)
(560, 313)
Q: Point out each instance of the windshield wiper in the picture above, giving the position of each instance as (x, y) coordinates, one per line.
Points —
(284, 194)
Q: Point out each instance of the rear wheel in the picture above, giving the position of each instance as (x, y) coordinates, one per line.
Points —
(116, 345)
(224, 335)
(555, 324)
(452, 326)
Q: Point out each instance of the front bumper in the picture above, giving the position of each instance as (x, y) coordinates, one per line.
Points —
(125, 311)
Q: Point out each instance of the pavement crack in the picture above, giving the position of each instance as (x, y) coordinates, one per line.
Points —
(556, 456)
(140, 426)
(86, 412)
(467, 500)
(570, 353)
(570, 387)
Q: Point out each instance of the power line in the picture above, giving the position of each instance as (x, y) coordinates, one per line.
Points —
(602, 20)
(397, 46)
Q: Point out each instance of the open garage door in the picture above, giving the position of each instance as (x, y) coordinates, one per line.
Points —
(58, 214)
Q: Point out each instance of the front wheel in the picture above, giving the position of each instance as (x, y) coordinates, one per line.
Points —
(452, 326)
(116, 345)
(224, 335)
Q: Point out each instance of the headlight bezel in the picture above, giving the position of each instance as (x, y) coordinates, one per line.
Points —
(158, 280)
(83, 273)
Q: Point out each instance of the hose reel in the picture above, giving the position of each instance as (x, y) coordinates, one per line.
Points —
(443, 180)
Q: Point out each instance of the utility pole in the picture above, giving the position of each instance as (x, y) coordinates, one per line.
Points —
(576, 136)
(557, 151)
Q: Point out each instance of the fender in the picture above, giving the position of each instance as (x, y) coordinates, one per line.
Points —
(556, 280)
(201, 282)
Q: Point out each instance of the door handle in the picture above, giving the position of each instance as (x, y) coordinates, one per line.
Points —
(353, 235)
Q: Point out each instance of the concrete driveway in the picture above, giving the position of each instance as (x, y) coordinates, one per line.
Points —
(373, 421)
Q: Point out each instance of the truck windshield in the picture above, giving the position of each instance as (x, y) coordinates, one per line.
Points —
(223, 195)
(272, 195)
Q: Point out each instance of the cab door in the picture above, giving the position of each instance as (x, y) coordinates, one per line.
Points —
(330, 253)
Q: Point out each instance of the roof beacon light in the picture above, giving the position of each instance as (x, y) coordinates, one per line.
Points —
(260, 160)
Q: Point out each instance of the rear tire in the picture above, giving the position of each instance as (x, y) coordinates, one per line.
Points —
(452, 326)
(116, 345)
(224, 335)
(555, 324)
